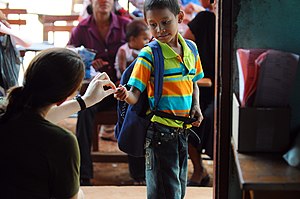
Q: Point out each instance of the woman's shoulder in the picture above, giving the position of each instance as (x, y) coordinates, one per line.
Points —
(50, 130)
(204, 15)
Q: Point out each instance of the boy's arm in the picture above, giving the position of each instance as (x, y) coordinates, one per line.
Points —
(195, 109)
(130, 97)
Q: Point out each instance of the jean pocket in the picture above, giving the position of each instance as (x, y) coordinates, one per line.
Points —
(148, 158)
(167, 137)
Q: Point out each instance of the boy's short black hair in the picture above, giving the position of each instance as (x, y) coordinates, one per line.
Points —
(135, 27)
(172, 5)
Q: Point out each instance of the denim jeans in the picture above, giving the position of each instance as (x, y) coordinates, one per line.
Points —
(166, 162)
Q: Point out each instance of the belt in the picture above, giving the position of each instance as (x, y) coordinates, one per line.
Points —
(176, 130)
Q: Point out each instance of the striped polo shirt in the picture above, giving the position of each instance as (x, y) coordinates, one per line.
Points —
(179, 75)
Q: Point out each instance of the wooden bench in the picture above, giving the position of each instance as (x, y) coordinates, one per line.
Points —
(50, 24)
(266, 175)
(19, 21)
(105, 118)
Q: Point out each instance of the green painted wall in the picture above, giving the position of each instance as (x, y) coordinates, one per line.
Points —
(270, 24)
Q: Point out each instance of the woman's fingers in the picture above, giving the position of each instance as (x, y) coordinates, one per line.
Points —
(108, 83)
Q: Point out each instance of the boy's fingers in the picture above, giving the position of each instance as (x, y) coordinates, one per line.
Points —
(197, 123)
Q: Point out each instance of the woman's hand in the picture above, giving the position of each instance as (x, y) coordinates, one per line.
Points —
(98, 64)
(99, 88)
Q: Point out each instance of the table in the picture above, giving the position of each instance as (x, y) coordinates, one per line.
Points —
(204, 82)
(35, 47)
(266, 175)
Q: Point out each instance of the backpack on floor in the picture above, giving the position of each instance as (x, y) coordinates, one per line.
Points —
(132, 124)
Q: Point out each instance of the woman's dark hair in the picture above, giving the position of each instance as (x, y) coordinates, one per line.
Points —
(51, 77)
(172, 5)
(89, 9)
(135, 27)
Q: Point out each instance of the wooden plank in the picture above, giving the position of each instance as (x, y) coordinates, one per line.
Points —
(16, 21)
(48, 28)
(138, 192)
(53, 18)
(266, 171)
(7, 11)
(275, 194)
(109, 157)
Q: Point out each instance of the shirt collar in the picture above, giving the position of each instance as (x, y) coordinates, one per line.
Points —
(91, 20)
(188, 56)
(168, 52)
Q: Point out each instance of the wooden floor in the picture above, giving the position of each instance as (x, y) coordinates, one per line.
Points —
(138, 192)
(117, 174)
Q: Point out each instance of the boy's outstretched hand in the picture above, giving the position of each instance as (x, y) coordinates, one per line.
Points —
(121, 93)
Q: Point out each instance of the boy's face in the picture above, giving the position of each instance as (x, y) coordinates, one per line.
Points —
(163, 24)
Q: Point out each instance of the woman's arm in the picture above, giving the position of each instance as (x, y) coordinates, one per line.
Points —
(94, 94)
(122, 62)
(189, 35)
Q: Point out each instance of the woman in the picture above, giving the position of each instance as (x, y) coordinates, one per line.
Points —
(105, 32)
(202, 30)
(40, 159)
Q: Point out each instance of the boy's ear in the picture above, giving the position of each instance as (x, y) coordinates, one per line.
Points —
(180, 16)
(145, 20)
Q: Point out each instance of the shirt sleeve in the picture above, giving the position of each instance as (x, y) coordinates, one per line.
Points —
(140, 75)
(199, 70)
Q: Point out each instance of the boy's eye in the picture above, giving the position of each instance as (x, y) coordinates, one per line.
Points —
(166, 22)
(152, 25)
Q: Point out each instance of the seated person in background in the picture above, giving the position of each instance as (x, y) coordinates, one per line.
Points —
(9, 55)
(86, 11)
(137, 35)
(104, 32)
(202, 31)
(139, 7)
(3, 20)
(190, 8)
(41, 159)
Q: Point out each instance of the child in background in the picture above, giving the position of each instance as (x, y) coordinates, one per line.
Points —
(166, 139)
(137, 35)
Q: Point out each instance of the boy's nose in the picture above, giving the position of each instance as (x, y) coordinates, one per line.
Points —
(161, 29)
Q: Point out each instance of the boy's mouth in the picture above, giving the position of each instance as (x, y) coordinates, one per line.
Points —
(163, 36)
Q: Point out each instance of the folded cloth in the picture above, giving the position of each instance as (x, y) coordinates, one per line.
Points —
(292, 157)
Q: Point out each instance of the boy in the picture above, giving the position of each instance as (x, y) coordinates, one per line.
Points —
(166, 139)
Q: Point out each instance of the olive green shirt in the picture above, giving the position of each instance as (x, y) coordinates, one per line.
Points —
(38, 159)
